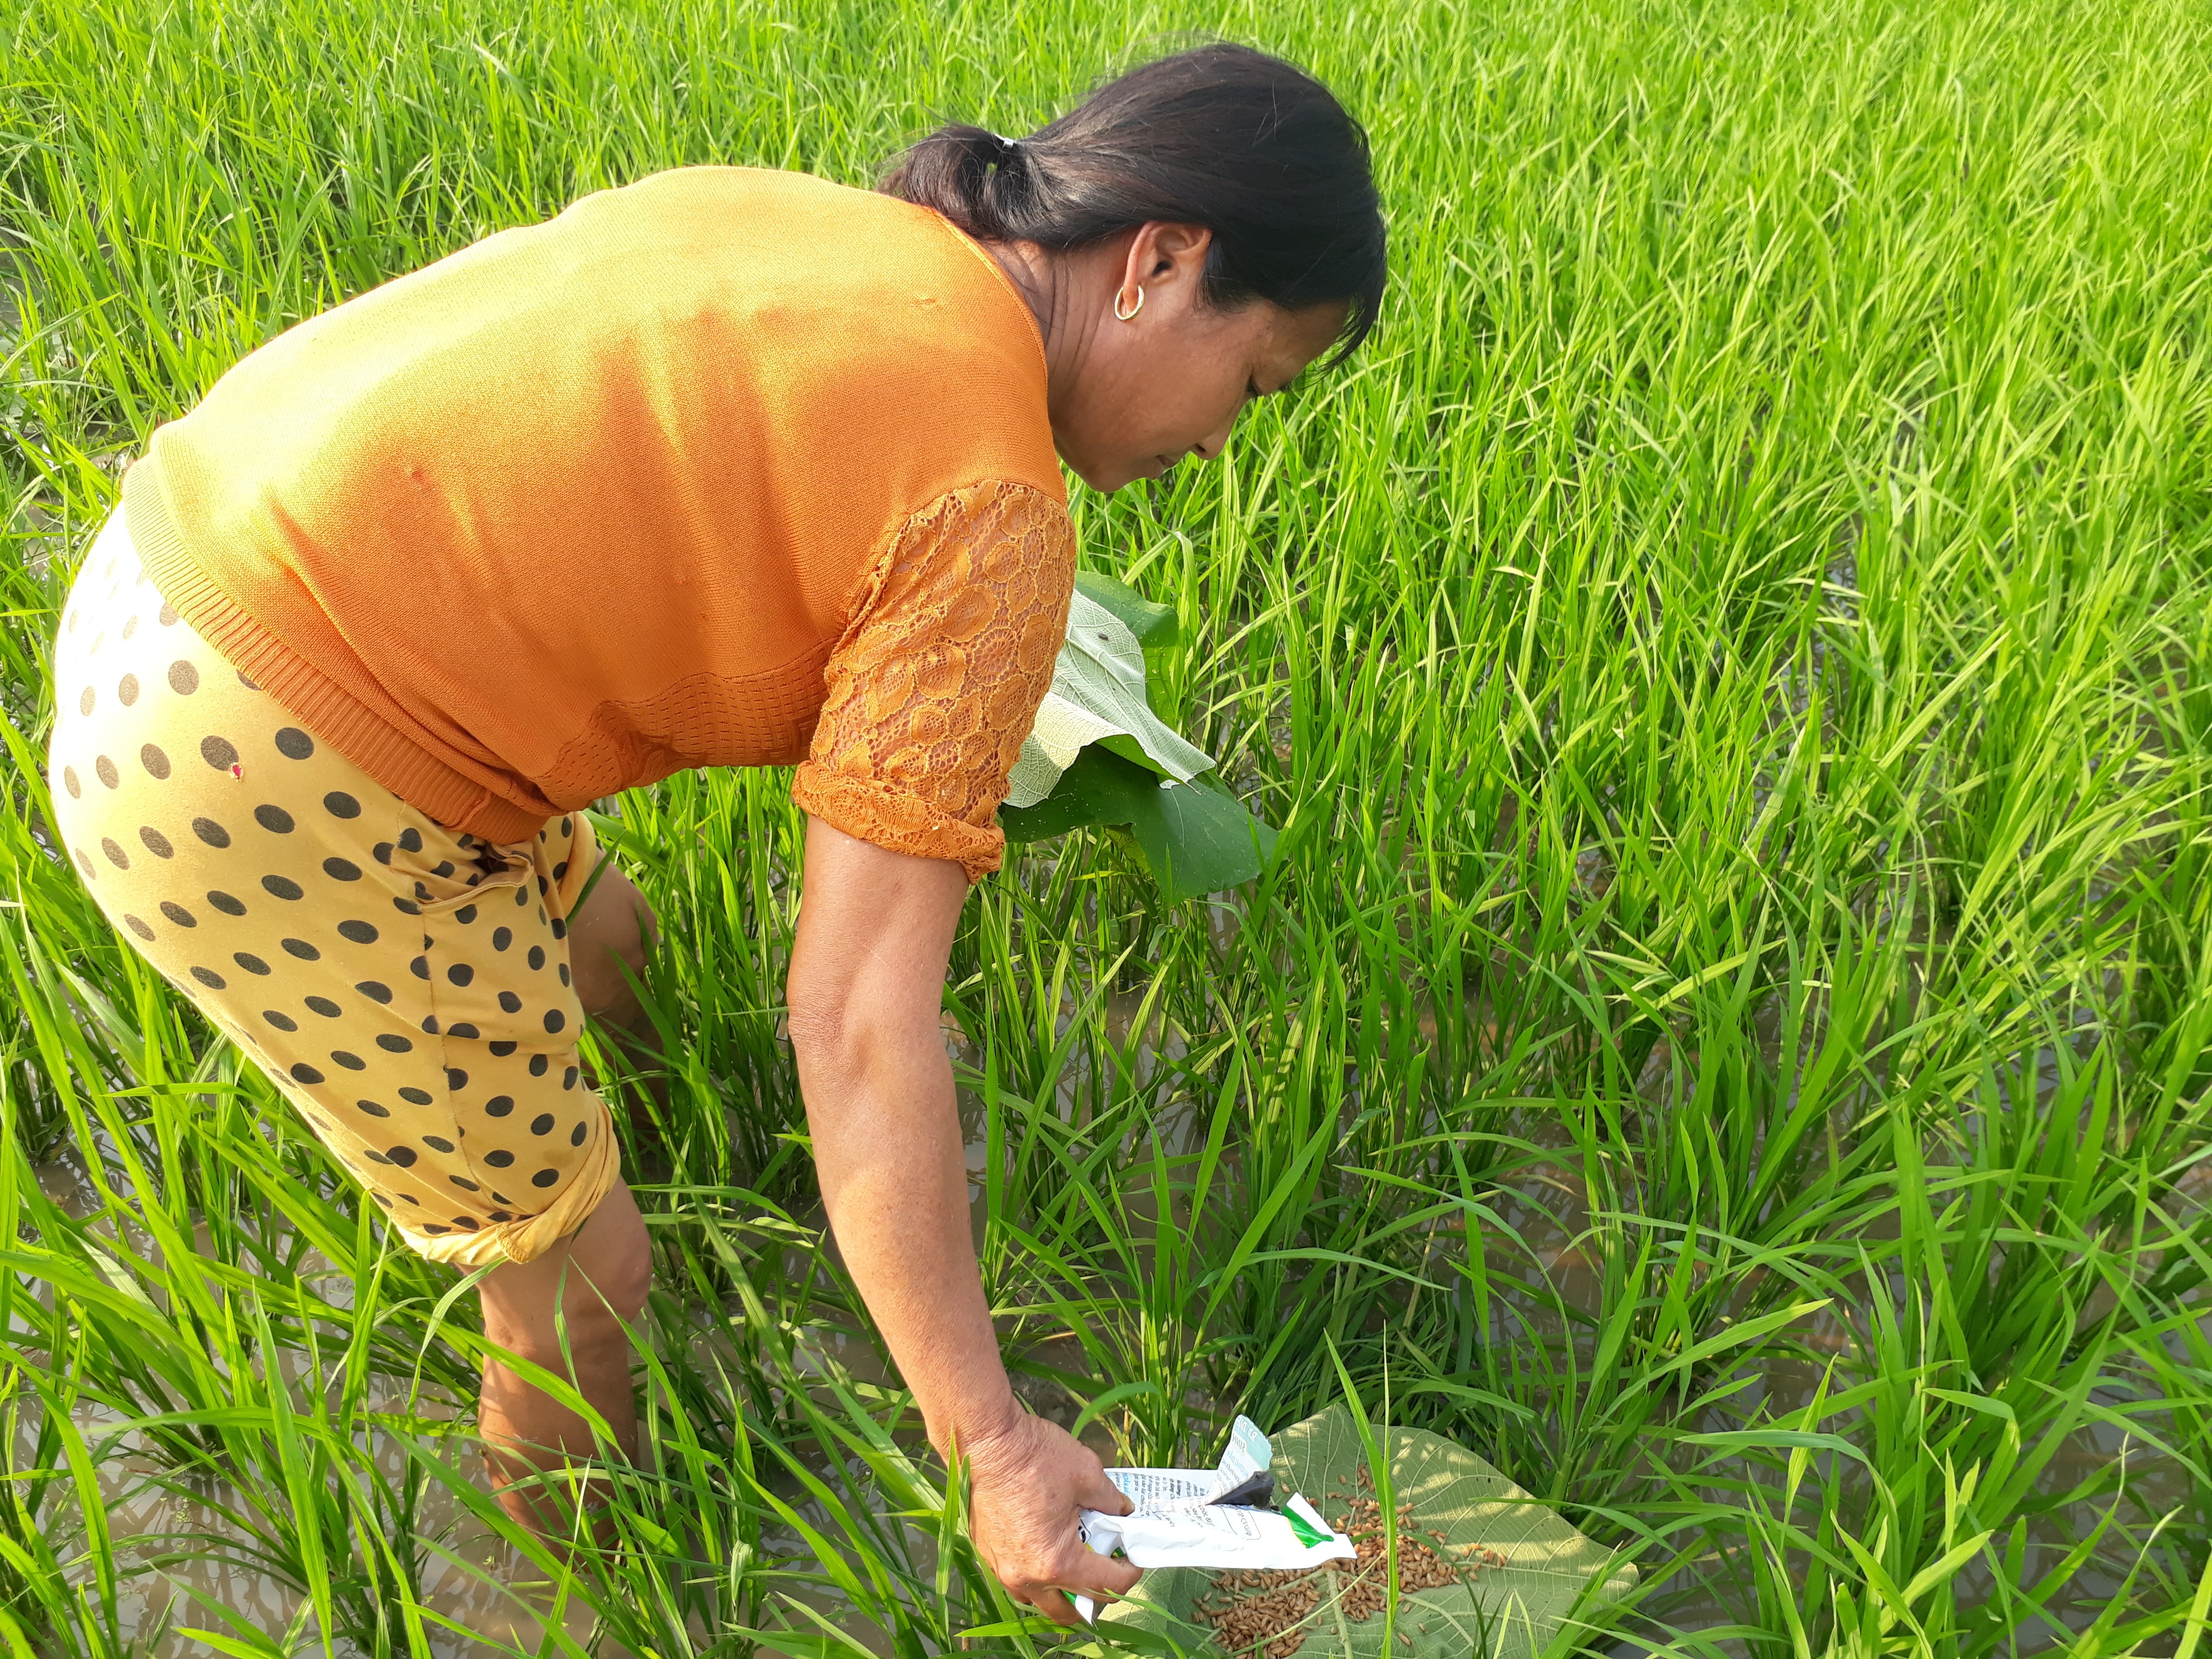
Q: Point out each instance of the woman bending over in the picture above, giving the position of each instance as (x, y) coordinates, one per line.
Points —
(725, 468)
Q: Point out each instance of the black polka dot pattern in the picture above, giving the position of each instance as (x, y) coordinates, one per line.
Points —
(267, 883)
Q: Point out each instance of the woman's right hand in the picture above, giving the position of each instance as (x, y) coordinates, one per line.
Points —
(1025, 1483)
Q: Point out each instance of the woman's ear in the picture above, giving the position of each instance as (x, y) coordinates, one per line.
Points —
(1162, 249)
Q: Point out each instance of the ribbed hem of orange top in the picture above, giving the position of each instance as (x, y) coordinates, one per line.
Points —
(322, 706)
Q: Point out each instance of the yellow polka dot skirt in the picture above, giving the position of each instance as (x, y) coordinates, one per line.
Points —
(405, 986)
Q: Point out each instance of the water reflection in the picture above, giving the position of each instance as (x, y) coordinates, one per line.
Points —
(188, 1563)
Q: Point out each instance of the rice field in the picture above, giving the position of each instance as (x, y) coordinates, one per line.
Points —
(1727, 1038)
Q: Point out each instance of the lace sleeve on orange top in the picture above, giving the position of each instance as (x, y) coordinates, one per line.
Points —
(939, 675)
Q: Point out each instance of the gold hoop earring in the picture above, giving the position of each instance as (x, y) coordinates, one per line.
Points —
(1126, 315)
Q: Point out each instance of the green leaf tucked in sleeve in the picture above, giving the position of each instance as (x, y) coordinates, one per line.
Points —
(1195, 837)
(1154, 625)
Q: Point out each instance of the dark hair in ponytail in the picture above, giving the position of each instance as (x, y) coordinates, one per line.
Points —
(1254, 149)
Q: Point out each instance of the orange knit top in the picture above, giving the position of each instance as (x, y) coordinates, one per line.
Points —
(726, 468)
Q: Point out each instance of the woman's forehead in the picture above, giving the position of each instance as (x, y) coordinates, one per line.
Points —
(1295, 338)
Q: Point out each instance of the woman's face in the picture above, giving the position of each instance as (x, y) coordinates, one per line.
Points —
(1131, 399)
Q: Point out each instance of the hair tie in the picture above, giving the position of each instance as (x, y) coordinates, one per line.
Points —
(1008, 148)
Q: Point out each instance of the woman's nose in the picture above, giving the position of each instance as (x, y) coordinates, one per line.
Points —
(1214, 442)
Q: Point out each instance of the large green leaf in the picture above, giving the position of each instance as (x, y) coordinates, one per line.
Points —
(1508, 1611)
(1198, 838)
(1195, 837)
(1101, 693)
(1098, 787)
(1154, 625)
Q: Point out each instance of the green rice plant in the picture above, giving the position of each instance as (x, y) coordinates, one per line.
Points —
(1723, 1036)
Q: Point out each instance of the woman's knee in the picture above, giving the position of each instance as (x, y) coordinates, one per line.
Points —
(584, 1292)
(618, 1272)
(608, 1272)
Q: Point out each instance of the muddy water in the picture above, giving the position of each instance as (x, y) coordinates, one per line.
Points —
(184, 1555)
(1553, 1218)
(473, 1581)
(477, 1583)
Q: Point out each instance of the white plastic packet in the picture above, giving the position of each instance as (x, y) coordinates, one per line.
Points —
(1179, 1519)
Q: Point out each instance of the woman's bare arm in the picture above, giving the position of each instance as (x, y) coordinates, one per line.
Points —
(866, 982)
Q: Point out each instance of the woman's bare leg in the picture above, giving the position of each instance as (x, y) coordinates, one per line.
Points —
(607, 1265)
(589, 1285)
(614, 929)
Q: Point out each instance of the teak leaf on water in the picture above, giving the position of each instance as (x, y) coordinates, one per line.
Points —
(1510, 1611)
